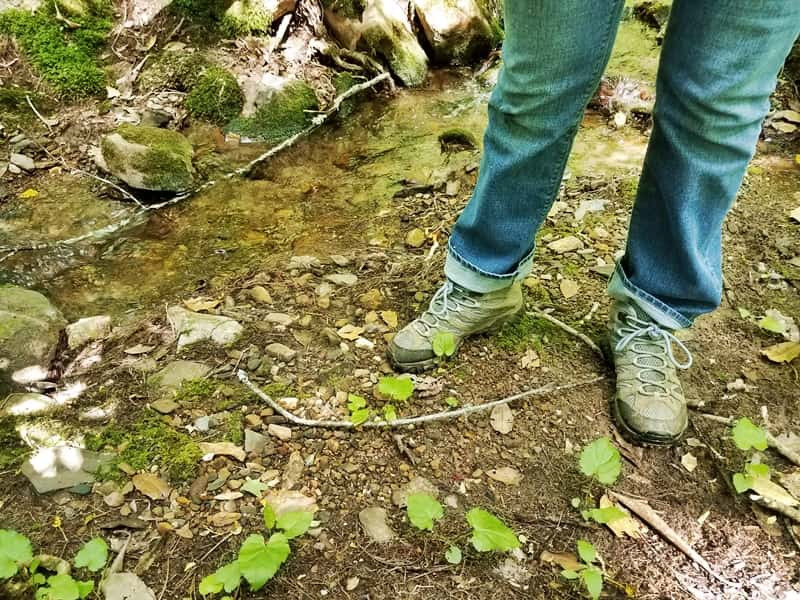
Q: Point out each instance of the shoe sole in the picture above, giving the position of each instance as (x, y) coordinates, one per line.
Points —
(429, 363)
(636, 437)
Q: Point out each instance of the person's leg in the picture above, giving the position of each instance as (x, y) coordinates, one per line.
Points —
(553, 56)
(718, 68)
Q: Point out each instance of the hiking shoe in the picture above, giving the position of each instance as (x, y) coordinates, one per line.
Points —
(458, 311)
(649, 406)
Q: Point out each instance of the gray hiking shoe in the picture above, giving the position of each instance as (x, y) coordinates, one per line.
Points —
(649, 406)
(458, 311)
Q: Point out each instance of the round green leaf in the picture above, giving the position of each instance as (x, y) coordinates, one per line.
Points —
(453, 555)
(396, 388)
(423, 510)
(747, 434)
(601, 459)
(61, 587)
(295, 523)
(444, 344)
(259, 561)
(742, 482)
(93, 555)
(593, 579)
(269, 516)
(15, 550)
(490, 533)
(586, 551)
(85, 588)
(569, 574)
(605, 515)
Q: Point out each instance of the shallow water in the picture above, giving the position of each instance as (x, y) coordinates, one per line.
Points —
(315, 198)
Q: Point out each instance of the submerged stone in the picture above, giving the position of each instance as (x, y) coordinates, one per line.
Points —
(149, 158)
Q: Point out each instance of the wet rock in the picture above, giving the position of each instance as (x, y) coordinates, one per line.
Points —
(254, 441)
(375, 524)
(29, 404)
(280, 351)
(457, 31)
(24, 162)
(386, 32)
(195, 327)
(171, 377)
(149, 158)
(87, 330)
(29, 330)
(62, 467)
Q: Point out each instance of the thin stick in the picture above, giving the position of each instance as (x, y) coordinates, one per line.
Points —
(36, 112)
(120, 189)
(787, 452)
(439, 416)
(646, 513)
(585, 338)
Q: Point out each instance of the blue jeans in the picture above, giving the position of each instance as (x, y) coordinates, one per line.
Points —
(719, 65)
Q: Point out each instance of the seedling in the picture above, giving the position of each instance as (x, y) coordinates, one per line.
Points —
(359, 413)
(444, 345)
(590, 575)
(600, 461)
(398, 389)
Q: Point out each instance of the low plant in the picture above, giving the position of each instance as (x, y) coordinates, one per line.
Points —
(589, 573)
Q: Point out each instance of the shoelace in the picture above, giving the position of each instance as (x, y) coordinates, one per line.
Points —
(444, 302)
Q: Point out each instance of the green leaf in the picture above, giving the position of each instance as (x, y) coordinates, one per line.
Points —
(423, 510)
(742, 482)
(389, 413)
(255, 487)
(85, 588)
(357, 417)
(757, 470)
(453, 555)
(93, 555)
(772, 324)
(396, 388)
(586, 551)
(451, 401)
(744, 313)
(747, 434)
(15, 550)
(444, 344)
(606, 515)
(259, 561)
(269, 516)
(355, 402)
(490, 533)
(593, 580)
(569, 574)
(60, 587)
(226, 577)
(601, 459)
(295, 523)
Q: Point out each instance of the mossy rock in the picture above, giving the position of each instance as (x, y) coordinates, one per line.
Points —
(30, 327)
(149, 158)
(65, 58)
(387, 34)
(216, 97)
(458, 31)
(280, 113)
(351, 9)
(174, 69)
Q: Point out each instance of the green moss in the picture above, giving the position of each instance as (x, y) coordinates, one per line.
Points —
(282, 116)
(168, 160)
(175, 70)
(216, 97)
(195, 389)
(527, 331)
(12, 448)
(65, 58)
(147, 442)
(343, 82)
(210, 11)
(351, 9)
(234, 429)
(245, 17)
(276, 389)
(398, 47)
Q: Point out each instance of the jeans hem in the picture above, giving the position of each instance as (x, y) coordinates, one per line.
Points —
(472, 277)
(621, 288)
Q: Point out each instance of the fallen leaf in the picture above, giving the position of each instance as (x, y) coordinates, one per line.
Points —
(689, 461)
(624, 526)
(565, 560)
(785, 352)
(222, 449)
(505, 475)
(224, 519)
(201, 304)
(791, 481)
(530, 360)
(151, 486)
(138, 349)
(784, 127)
(415, 238)
(569, 288)
(502, 418)
(350, 332)
(28, 194)
(228, 496)
(390, 318)
(772, 491)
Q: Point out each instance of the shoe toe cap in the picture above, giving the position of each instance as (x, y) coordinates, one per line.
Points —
(408, 346)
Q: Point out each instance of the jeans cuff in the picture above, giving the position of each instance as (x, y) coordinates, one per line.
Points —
(621, 288)
(469, 276)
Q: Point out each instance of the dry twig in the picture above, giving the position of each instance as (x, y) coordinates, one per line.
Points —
(570, 330)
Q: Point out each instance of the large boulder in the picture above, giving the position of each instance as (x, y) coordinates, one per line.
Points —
(149, 158)
(457, 31)
(244, 17)
(387, 34)
(142, 12)
(30, 327)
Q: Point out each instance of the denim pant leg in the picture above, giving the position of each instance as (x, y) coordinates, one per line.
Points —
(553, 56)
(718, 68)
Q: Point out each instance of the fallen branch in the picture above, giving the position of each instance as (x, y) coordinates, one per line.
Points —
(570, 330)
(37, 113)
(439, 416)
(779, 507)
(646, 513)
(787, 452)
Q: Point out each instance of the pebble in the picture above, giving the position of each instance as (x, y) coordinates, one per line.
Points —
(345, 279)
(279, 319)
(565, 244)
(374, 522)
(23, 162)
(281, 351)
(280, 432)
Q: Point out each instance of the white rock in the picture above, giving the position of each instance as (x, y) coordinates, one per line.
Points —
(23, 162)
(375, 524)
(565, 244)
(87, 330)
(195, 327)
(279, 431)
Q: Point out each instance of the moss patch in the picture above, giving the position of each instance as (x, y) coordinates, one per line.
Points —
(193, 390)
(281, 116)
(174, 70)
(216, 98)
(234, 429)
(245, 17)
(525, 332)
(147, 442)
(12, 448)
(65, 58)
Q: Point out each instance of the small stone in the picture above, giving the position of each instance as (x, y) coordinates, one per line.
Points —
(175, 373)
(253, 420)
(371, 300)
(254, 441)
(569, 288)
(279, 431)
(165, 406)
(281, 351)
(415, 238)
(565, 244)
(344, 279)
(23, 162)
(374, 522)
(279, 319)
(114, 499)
(352, 583)
(260, 294)
(193, 327)
(88, 330)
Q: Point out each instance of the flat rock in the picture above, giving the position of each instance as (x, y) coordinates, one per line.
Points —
(285, 501)
(195, 327)
(279, 319)
(222, 449)
(88, 329)
(126, 586)
(418, 485)
(569, 243)
(345, 279)
(374, 522)
(279, 431)
(281, 351)
(25, 163)
(254, 441)
(62, 467)
(165, 406)
(170, 378)
(29, 404)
